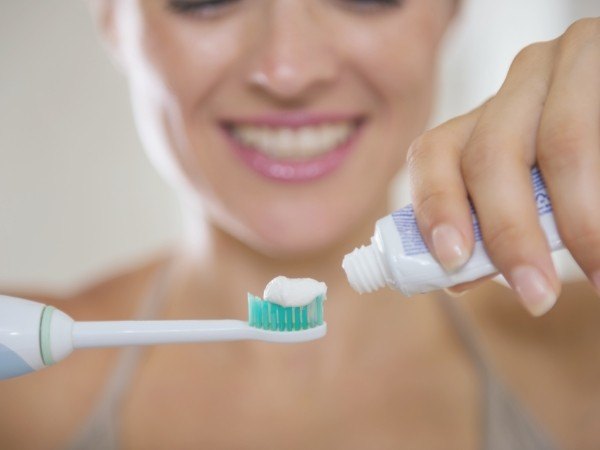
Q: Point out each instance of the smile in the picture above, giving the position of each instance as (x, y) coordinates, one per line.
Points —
(293, 148)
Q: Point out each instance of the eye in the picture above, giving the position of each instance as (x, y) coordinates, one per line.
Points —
(372, 5)
(204, 8)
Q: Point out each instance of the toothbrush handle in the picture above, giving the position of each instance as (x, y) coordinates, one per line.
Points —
(20, 351)
(153, 332)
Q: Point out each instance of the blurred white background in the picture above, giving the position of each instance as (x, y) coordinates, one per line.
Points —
(78, 198)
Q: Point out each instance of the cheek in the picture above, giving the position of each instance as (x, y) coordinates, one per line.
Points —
(397, 59)
(176, 69)
(189, 62)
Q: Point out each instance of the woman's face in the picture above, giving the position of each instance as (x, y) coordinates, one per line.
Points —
(285, 119)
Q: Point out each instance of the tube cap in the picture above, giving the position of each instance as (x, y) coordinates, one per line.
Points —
(364, 269)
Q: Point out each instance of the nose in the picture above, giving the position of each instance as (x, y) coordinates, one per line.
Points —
(294, 56)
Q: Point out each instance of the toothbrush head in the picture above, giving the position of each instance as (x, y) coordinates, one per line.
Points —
(267, 315)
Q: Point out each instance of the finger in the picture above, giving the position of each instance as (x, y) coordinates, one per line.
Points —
(438, 193)
(569, 145)
(462, 288)
(496, 168)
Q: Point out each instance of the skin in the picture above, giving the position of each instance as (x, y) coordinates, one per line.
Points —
(390, 371)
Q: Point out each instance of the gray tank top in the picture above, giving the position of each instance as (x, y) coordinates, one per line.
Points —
(506, 424)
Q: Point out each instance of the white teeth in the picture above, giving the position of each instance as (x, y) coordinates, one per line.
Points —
(303, 142)
(285, 141)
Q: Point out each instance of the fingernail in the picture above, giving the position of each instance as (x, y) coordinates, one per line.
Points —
(454, 294)
(449, 247)
(534, 290)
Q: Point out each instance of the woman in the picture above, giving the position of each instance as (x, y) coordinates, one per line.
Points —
(280, 124)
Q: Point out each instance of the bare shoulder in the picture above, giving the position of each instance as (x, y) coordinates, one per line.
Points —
(56, 400)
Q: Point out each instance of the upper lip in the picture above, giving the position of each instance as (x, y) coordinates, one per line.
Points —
(294, 119)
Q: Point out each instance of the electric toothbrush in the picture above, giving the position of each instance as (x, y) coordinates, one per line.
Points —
(34, 335)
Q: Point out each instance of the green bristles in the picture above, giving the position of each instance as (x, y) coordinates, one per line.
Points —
(270, 316)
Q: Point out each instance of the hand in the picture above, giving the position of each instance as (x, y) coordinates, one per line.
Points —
(547, 112)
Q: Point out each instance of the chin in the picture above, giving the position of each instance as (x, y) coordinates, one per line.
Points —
(296, 247)
(299, 238)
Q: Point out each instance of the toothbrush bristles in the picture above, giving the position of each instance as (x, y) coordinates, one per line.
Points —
(271, 316)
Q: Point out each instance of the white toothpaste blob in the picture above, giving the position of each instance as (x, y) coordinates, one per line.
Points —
(294, 291)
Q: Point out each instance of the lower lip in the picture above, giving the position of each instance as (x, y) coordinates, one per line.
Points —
(294, 171)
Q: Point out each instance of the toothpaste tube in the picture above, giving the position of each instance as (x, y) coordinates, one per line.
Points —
(398, 257)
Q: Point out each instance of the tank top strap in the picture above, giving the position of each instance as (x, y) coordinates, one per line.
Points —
(507, 425)
(101, 429)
